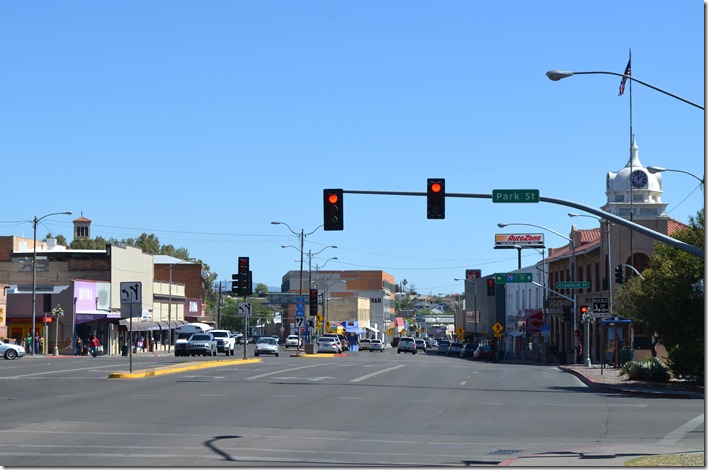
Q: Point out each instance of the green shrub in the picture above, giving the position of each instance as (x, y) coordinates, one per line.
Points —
(649, 370)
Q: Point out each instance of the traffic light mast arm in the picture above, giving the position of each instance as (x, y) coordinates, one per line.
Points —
(552, 291)
(600, 213)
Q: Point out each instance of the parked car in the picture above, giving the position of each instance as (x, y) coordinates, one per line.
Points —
(341, 340)
(420, 344)
(364, 344)
(431, 343)
(468, 351)
(11, 351)
(455, 349)
(377, 345)
(201, 343)
(225, 341)
(443, 346)
(328, 344)
(293, 341)
(406, 345)
(267, 345)
(482, 352)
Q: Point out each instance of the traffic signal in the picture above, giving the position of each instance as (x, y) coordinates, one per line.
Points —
(567, 314)
(436, 198)
(490, 287)
(234, 284)
(583, 309)
(333, 209)
(619, 275)
(313, 302)
(244, 276)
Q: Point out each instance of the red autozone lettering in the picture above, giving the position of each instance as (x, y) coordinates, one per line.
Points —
(524, 238)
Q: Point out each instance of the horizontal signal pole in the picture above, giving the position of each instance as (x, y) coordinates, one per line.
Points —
(552, 200)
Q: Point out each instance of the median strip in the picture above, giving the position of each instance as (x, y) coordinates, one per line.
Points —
(173, 369)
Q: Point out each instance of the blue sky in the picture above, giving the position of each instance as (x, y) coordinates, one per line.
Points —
(202, 122)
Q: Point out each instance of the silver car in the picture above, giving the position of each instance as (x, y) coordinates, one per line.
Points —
(328, 344)
(377, 345)
(267, 345)
(11, 351)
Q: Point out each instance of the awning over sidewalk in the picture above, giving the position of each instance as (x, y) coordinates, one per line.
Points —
(124, 325)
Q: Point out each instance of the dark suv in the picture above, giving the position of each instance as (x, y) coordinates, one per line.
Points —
(406, 345)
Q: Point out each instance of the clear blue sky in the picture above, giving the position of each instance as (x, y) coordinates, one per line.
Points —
(203, 121)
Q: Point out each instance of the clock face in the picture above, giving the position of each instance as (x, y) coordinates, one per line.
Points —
(638, 179)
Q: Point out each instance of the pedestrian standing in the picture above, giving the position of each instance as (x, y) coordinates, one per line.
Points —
(94, 346)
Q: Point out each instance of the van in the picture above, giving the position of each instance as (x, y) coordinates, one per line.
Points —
(183, 332)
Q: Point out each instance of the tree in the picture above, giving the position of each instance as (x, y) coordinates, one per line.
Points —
(665, 303)
(261, 290)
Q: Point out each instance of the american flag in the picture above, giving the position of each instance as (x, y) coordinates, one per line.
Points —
(627, 71)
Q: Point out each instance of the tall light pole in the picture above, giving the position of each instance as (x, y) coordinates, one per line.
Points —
(657, 169)
(301, 236)
(35, 221)
(573, 274)
(556, 75)
(476, 314)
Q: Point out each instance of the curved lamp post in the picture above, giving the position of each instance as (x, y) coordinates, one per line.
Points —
(57, 313)
(556, 75)
(657, 169)
(35, 221)
(573, 273)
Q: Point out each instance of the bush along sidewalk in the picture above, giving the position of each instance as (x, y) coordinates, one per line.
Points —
(650, 369)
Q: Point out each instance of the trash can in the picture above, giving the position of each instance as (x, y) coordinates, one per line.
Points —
(310, 348)
(626, 355)
(124, 350)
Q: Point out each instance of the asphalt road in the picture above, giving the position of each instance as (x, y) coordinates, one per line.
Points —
(361, 409)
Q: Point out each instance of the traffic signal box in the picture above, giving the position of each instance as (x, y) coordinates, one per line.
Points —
(313, 302)
(619, 275)
(436, 198)
(491, 290)
(244, 277)
(333, 209)
(234, 284)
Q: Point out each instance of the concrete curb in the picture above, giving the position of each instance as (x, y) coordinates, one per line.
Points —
(141, 374)
(631, 391)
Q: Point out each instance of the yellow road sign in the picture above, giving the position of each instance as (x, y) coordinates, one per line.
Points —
(460, 331)
(497, 328)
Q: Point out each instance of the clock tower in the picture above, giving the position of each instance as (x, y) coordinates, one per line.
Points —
(634, 193)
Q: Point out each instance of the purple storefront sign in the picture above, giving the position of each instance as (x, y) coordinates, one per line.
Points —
(88, 317)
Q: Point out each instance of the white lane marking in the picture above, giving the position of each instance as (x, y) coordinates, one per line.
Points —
(368, 376)
(61, 371)
(463, 382)
(282, 396)
(677, 434)
(285, 370)
(351, 398)
(419, 401)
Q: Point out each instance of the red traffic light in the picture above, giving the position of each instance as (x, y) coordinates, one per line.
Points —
(333, 198)
(333, 209)
(436, 187)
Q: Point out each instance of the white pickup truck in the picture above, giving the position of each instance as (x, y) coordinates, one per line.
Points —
(225, 341)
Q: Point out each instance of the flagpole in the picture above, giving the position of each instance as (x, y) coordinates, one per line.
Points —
(631, 168)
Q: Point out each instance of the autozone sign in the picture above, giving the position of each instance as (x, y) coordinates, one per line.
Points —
(524, 240)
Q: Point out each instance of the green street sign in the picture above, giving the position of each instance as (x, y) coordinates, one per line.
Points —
(573, 285)
(515, 195)
(509, 278)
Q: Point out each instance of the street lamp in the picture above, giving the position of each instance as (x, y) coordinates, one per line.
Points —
(301, 236)
(573, 273)
(57, 313)
(657, 169)
(556, 75)
(35, 221)
(476, 314)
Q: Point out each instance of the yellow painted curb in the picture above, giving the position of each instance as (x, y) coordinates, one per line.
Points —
(141, 374)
